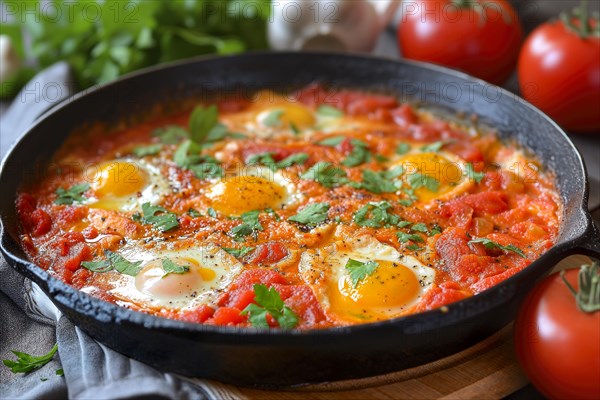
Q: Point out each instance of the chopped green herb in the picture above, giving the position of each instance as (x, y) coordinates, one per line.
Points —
(332, 141)
(60, 372)
(192, 212)
(171, 268)
(474, 175)
(272, 212)
(414, 247)
(360, 154)
(158, 216)
(211, 212)
(150, 150)
(326, 174)
(273, 118)
(329, 111)
(203, 166)
(268, 301)
(490, 244)
(405, 202)
(122, 265)
(27, 363)
(250, 225)
(311, 215)
(72, 195)
(403, 224)
(418, 180)
(420, 227)
(239, 253)
(405, 237)
(402, 148)
(293, 159)
(261, 158)
(360, 270)
(377, 182)
(375, 215)
(294, 128)
(202, 121)
(43, 379)
(171, 134)
(436, 230)
(97, 266)
(436, 146)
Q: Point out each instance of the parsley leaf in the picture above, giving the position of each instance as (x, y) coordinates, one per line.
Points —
(434, 147)
(273, 118)
(150, 150)
(250, 225)
(122, 265)
(239, 253)
(375, 215)
(328, 111)
(402, 148)
(420, 227)
(171, 134)
(265, 158)
(360, 154)
(360, 270)
(72, 195)
(418, 180)
(97, 266)
(203, 166)
(293, 159)
(113, 261)
(472, 174)
(211, 212)
(326, 174)
(202, 121)
(405, 237)
(158, 216)
(414, 247)
(332, 141)
(171, 268)
(377, 182)
(192, 212)
(60, 372)
(268, 301)
(27, 363)
(311, 215)
(490, 244)
(436, 230)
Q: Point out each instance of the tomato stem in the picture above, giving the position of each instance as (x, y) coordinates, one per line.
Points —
(587, 26)
(588, 297)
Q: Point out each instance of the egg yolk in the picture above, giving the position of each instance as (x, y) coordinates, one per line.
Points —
(431, 175)
(288, 114)
(119, 178)
(239, 194)
(156, 283)
(386, 292)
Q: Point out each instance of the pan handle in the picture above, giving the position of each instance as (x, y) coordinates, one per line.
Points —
(589, 243)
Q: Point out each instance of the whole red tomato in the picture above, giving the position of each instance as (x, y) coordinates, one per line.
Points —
(557, 343)
(479, 37)
(559, 72)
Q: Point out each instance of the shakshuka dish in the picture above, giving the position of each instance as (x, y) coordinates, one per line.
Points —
(311, 209)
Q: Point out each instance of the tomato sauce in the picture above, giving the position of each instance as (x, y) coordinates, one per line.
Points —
(469, 208)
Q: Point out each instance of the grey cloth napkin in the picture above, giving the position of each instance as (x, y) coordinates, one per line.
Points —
(30, 323)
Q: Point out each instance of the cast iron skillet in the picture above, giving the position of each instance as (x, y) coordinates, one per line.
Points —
(278, 358)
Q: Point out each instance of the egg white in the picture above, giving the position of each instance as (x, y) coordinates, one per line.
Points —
(324, 269)
(155, 188)
(211, 271)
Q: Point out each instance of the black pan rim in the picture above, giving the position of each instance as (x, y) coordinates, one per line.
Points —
(45, 280)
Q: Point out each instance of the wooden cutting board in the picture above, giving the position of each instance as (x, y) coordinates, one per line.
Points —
(488, 370)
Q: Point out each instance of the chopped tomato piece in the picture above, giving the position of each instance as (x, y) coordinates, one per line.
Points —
(241, 291)
(269, 253)
(227, 316)
(198, 315)
(301, 299)
(40, 222)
